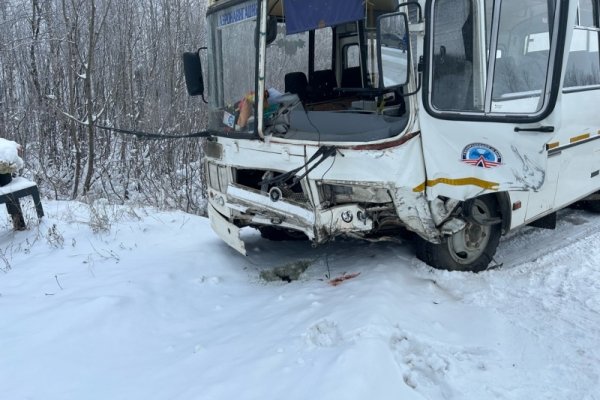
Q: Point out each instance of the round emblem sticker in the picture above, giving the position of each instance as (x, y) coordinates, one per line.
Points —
(481, 155)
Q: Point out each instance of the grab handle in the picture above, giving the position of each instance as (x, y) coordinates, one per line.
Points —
(545, 129)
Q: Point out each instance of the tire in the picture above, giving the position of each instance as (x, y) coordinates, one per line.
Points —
(471, 249)
(281, 234)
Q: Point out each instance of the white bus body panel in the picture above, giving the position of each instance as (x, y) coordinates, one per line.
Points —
(540, 172)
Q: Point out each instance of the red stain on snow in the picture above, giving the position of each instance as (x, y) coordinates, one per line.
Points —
(337, 281)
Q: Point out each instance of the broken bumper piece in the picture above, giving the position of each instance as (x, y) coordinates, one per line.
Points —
(228, 232)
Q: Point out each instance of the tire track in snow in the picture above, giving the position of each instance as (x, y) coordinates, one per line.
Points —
(529, 244)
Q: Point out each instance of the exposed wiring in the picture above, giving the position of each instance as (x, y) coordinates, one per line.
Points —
(314, 126)
(153, 136)
(330, 208)
(157, 136)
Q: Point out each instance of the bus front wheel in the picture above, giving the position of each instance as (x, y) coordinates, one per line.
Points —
(470, 249)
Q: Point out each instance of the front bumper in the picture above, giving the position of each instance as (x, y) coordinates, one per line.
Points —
(252, 207)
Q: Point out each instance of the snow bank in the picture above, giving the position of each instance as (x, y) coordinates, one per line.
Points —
(9, 156)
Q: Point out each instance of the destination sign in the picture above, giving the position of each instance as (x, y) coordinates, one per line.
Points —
(239, 14)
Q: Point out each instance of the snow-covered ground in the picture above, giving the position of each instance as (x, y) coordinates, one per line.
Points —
(118, 303)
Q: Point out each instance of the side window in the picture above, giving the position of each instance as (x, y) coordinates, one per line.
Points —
(490, 58)
(351, 56)
(323, 48)
(586, 15)
(453, 75)
(288, 54)
(537, 42)
(351, 72)
(521, 71)
(583, 67)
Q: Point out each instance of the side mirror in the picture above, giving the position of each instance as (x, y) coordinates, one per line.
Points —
(271, 29)
(393, 49)
(192, 67)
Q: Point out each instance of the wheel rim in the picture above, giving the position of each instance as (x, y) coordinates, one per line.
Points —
(469, 244)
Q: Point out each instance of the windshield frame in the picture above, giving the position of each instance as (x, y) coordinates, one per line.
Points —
(395, 116)
(552, 84)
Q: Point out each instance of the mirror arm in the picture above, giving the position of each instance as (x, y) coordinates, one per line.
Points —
(415, 3)
(198, 51)
(418, 87)
(419, 78)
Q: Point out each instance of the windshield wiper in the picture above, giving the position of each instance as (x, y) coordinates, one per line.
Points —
(324, 151)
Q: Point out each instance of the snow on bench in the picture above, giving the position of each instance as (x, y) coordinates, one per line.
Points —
(13, 189)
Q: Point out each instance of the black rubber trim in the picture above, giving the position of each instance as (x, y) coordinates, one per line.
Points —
(517, 119)
(256, 66)
(595, 174)
(571, 145)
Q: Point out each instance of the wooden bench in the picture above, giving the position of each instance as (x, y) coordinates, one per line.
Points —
(11, 193)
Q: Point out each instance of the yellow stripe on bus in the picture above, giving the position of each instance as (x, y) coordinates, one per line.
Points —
(420, 188)
(458, 182)
(580, 137)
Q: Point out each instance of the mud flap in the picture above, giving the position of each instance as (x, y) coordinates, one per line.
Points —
(228, 232)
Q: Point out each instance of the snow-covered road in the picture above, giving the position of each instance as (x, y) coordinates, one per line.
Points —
(151, 305)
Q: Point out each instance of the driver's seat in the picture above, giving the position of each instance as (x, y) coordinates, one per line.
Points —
(297, 83)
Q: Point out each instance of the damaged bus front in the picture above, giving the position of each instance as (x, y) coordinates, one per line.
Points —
(330, 145)
(354, 118)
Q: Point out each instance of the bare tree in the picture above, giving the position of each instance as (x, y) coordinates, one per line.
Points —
(67, 66)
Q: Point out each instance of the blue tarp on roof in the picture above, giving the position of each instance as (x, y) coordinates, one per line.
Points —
(304, 15)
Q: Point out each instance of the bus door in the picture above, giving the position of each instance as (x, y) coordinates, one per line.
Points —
(490, 92)
(577, 145)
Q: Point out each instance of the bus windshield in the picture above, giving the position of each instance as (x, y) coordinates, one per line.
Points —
(320, 84)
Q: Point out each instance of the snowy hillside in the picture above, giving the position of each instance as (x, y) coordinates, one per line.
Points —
(123, 303)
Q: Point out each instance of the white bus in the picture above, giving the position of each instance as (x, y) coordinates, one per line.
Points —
(455, 120)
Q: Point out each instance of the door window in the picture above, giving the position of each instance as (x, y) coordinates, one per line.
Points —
(465, 32)
(583, 66)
